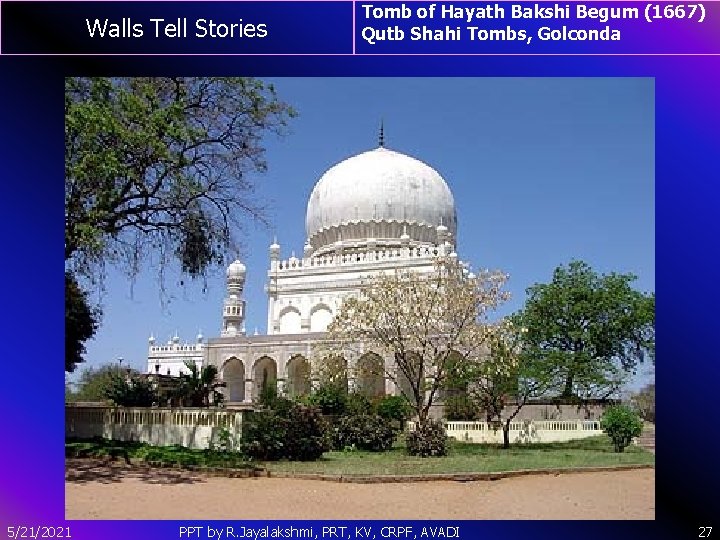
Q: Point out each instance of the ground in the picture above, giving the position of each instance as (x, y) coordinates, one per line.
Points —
(118, 492)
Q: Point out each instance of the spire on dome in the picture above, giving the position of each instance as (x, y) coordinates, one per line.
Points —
(381, 139)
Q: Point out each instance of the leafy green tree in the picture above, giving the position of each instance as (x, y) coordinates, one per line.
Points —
(621, 424)
(130, 389)
(199, 387)
(596, 328)
(159, 170)
(81, 322)
(94, 382)
(507, 377)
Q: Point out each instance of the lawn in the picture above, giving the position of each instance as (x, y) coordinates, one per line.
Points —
(467, 458)
(462, 457)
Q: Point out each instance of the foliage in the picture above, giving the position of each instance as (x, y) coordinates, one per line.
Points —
(461, 407)
(129, 390)
(162, 455)
(81, 321)
(264, 436)
(427, 439)
(298, 433)
(595, 327)
(199, 387)
(93, 382)
(331, 399)
(358, 404)
(503, 380)
(163, 162)
(363, 431)
(644, 403)
(420, 320)
(224, 441)
(621, 424)
(158, 170)
(394, 409)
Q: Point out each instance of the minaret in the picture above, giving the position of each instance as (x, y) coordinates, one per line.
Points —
(234, 305)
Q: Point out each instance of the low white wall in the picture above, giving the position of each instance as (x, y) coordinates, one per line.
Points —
(526, 431)
(159, 426)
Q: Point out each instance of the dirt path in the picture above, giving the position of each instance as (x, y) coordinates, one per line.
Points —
(120, 493)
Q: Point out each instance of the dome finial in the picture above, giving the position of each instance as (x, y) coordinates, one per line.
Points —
(381, 139)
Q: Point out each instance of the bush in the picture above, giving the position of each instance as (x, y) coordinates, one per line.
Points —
(331, 399)
(297, 433)
(427, 440)
(621, 424)
(461, 408)
(394, 408)
(357, 404)
(130, 391)
(364, 432)
(306, 435)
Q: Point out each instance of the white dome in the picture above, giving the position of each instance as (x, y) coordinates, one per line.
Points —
(236, 270)
(379, 194)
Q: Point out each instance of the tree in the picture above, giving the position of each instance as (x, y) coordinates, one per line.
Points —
(160, 170)
(422, 320)
(644, 402)
(200, 386)
(597, 328)
(130, 389)
(94, 382)
(81, 322)
(504, 379)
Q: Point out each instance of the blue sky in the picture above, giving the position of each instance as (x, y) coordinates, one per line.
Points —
(542, 170)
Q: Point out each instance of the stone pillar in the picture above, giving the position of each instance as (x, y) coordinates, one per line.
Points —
(248, 391)
(280, 387)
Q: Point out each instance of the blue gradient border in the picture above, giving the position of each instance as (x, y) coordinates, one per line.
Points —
(688, 172)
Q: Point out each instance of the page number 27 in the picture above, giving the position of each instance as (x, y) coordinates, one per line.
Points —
(704, 532)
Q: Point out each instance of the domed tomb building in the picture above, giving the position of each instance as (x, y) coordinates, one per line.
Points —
(378, 211)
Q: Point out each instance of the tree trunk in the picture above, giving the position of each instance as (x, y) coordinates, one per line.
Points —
(506, 434)
(568, 391)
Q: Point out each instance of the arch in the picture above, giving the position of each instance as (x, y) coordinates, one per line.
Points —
(333, 370)
(370, 375)
(320, 318)
(290, 321)
(233, 374)
(298, 376)
(264, 375)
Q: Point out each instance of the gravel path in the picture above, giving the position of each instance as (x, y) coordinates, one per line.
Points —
(101, 492)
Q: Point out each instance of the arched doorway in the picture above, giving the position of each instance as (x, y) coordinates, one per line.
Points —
(298, 376)
(264, 375)
(370, 375)
(233, 375)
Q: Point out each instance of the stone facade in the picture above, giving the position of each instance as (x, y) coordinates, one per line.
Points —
(379, 211)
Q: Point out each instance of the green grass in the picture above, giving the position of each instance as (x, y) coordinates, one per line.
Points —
(462, 457)
(467, 458)
(167, 455)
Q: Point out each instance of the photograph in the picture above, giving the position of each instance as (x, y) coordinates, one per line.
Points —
(359, 298)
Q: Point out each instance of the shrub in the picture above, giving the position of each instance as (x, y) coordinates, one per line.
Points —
(427, 440)
(264, 435)
(363, 431)
(357, 404)
(297, 433)
(461, 408)
(331, 399)
(621, 424)
(130, 391)
(394, 408)
(306, 436)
